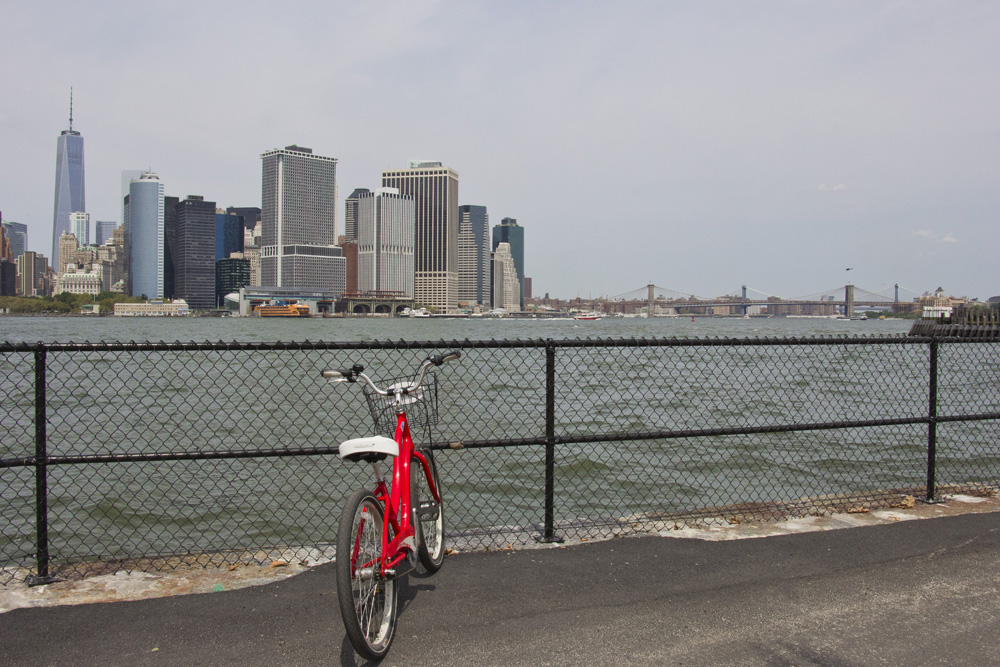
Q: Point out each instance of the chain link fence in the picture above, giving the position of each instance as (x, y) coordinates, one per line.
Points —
(152, 456)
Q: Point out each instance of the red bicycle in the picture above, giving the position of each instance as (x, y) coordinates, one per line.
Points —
(398, 522)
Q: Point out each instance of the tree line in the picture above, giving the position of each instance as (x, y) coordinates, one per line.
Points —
(63, 303)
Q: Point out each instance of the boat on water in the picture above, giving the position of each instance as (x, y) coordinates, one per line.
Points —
(590, 315)
(415, 312)
(283, 310)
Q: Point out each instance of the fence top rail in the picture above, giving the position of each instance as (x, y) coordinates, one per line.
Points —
(179, 346)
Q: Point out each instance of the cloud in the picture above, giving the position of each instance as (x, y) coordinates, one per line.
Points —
(929, 234)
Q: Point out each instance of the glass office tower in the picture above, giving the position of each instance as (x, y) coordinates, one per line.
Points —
(144, 236)
(69, 181)
(508, 231)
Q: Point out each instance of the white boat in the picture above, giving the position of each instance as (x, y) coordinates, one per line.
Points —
(589, 315)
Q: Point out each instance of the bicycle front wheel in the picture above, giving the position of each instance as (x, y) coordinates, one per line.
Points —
(427, 514)
(367, 599)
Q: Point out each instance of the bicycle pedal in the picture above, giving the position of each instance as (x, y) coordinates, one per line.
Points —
(427, 511)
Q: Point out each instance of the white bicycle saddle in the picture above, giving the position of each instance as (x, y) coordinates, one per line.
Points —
(378, 445)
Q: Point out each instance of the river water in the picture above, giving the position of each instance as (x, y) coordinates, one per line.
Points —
(200, 329)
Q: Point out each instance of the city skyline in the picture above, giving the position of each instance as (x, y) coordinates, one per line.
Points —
(697, 146)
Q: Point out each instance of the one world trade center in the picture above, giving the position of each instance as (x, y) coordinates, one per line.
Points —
(69, 183)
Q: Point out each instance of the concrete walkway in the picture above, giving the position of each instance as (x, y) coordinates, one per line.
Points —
(890, 593)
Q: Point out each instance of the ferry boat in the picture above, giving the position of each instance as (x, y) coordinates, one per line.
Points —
(283, 310)
(590, 315)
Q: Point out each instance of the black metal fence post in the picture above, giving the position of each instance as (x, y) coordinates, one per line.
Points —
(41, 478)
(932, 423)
(549, 534)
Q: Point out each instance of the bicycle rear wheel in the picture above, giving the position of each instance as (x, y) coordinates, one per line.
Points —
(428, 514)
(367, 599)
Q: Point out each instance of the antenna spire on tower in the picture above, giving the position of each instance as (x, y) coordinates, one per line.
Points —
(71, 108)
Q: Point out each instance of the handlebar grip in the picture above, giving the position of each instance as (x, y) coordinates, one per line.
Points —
(439, 359)
(348, 374)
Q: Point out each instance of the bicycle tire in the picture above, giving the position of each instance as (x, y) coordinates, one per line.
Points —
(427, 516)
(367, 600)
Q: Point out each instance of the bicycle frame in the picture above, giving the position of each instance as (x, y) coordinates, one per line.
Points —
(397, 501)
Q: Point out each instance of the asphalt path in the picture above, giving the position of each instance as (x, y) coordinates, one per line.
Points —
(911, 593)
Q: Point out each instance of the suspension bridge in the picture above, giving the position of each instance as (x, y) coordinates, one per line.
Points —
(747, 299)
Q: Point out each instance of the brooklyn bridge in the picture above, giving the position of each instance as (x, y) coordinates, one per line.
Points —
(843, 301)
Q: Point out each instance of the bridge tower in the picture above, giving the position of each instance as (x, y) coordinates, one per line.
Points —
(649, 299)
(849, 301)
(745, 307)
(897, 294)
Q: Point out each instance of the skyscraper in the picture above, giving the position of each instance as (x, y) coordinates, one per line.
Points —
(506, 288)
(250, 215)
(231, 273)
(434, 189)
(473, 255)
(169, 243)
(144, 255)
(79, 226)
(508, 231)
(299, 221)
(67, 249)
(351, 214)
(105, 231)
(8, 269)
(385, 223)
(69, 180)
(6, 250)
(229, 233)
(17, 232)
(193, 253)
(32, 274)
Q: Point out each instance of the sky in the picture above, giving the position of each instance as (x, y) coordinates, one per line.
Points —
(699, 146)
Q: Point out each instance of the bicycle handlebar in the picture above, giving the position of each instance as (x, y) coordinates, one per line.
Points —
(356, 372)
(439, 359)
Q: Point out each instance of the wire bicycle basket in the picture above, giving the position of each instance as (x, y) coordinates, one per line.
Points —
(421, 410)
